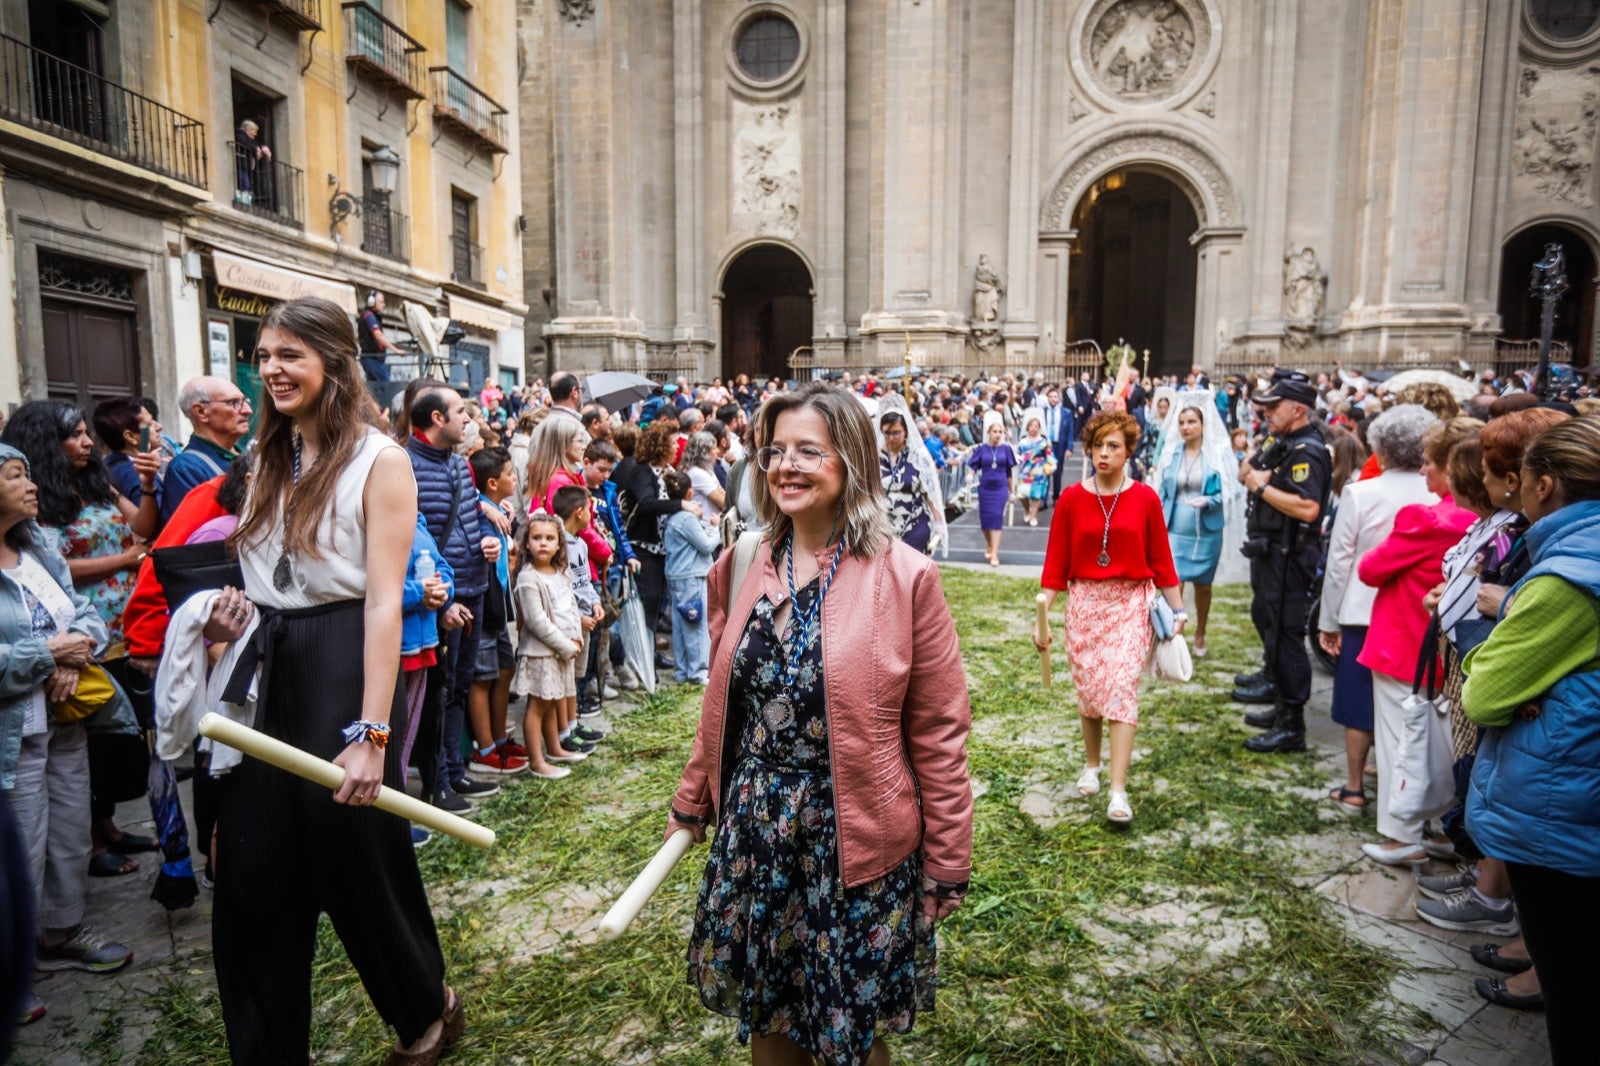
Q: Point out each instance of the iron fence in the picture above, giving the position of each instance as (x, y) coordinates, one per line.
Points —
(381, 49)
(62, 99)
(384, 231)
(466, 261)
(264, 186)
(461, 106)
(301, 14)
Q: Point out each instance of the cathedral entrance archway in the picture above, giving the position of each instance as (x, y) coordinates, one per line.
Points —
(1575, 311)
(766, 312)
(1134, 269)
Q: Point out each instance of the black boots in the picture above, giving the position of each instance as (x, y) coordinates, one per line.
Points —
(1288, 733)
(1259, 690)
(1262, 719)
(1251, 679)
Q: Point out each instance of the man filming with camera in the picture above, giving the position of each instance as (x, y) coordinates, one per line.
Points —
(1287, 480)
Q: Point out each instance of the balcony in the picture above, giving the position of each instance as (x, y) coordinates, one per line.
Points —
(266, 187)
(66, 101)
(464, 109)
(466, 261)
(382, 51)
(301, 14)
(384, 231)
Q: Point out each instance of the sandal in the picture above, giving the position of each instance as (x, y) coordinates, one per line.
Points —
(452, 1023)
(1343, 796)
(132, 844)
(110, 864)
(1089, 781)
(1118, 810)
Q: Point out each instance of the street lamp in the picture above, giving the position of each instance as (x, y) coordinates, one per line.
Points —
(1548, 284)
(385, 164)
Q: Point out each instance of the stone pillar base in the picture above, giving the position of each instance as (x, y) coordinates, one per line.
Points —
(580, 344)
(937, 339)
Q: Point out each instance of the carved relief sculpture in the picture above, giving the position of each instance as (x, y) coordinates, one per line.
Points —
(987, 290)
(577, 11)
(1142, 48)
(766, 169)
(1554, 144)
(1305, 285)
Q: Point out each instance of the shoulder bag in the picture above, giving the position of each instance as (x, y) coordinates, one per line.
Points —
(1423, 782)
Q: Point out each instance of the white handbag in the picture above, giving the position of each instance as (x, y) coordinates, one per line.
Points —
(1423, 783)
(1170, 659)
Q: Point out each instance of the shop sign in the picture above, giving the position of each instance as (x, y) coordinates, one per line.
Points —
(222, 298)
(219, 346)
(278, 283)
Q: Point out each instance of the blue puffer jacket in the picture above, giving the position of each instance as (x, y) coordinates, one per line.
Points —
(1535, 793)
(434, 468)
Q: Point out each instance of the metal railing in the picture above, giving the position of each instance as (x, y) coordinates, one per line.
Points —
(384, 231)
(376, 46)
(466, 261)
(77, 105)
(266, 186)
(1513, 355)
(301, 14)
(461, 106)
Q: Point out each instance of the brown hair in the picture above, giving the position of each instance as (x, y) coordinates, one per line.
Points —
(658, 445)
(1440, 438)
(1348, 456)
(626, 438)
(1506, 438)
(1432, 395)
(1466, 475)
(1569, 454)
(541, 517)
(343, 418)
(1108, 422)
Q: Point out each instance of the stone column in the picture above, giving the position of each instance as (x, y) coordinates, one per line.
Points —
(827, 320)
(1274, 55)
(693, 336)
(1021, 327)
(1054, 287)
(1216, 289)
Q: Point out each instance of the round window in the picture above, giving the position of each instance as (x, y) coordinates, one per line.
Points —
(768, 47)
(1565, 20)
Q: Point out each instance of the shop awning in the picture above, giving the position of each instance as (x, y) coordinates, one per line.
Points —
(487, 318)
(279, 283)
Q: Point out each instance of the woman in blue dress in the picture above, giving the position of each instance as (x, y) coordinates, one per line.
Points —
(1190, 482)
(996, 463)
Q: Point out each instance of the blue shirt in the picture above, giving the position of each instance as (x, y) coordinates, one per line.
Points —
(201, 460)
(936, 449)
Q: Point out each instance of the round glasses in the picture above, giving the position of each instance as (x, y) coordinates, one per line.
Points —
(806, 460)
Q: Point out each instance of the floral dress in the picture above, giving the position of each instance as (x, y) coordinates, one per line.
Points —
(778, 942)
(908, 503)
(1033, 474)
(101, 530)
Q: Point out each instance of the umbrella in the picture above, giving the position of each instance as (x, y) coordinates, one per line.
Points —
(638, 643)
(175, 885)
(1460, 388)
(616, 389)
(900, 372)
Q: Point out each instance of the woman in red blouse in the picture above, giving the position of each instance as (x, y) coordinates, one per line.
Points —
(1109, 551)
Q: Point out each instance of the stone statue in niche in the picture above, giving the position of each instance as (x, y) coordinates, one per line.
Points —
(987, 290)
(1142, 47)
(1305, 285)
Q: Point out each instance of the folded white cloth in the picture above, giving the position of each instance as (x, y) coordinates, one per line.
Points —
(185, 693)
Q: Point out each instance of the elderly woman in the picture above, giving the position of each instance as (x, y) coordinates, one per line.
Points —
(868, 781)
(1363, 519)
(700, 455)
(1533, 684)
(48, 633)
(1403, 569)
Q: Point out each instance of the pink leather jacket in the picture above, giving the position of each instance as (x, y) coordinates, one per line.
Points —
(898, 713)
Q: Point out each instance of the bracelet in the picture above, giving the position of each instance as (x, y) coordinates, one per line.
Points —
(375, 733)
(1180, 613)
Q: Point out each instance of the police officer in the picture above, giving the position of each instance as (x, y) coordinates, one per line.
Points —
(1288, 482)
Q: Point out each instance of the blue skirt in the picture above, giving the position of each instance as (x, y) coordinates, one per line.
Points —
(1352, 682)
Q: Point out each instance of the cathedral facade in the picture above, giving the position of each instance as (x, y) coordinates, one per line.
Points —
(773, 187)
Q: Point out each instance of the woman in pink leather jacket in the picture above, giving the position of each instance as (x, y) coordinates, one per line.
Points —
(831, 756)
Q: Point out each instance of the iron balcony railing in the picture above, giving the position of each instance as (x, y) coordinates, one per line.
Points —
(384, 231)
(77, 105)
(378, 48)
(466, 261)
(264, 186)
(301, 14)
(462, 107)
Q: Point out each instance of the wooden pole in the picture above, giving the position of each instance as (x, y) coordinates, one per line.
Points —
(632, 901)
(1041, 629)
(287, 757)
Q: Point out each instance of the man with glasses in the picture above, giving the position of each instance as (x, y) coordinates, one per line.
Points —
(220, 415)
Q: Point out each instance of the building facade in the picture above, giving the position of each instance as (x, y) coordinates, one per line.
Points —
(170, 170)
(766, 186)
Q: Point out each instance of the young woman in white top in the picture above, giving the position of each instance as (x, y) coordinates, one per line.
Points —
(328, 585)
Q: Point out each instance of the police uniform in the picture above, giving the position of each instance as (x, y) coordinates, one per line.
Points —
(1283, 564)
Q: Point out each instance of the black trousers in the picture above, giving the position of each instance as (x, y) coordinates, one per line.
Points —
(1562, 931)
(286, 853)
(1282, 584)
(652, 578)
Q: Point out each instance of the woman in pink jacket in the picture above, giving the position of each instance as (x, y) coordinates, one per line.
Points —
(1404, 568)
(831, 756)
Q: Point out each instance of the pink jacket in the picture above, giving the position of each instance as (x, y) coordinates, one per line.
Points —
(898, 713)
(599, 549)
(1403, 568)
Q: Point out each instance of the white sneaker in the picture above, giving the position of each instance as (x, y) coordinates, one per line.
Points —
(1118, 810)
(628, 679)
(608, 692)
(1089, 781)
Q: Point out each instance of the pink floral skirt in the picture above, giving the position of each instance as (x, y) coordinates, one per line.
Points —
(1108, 641)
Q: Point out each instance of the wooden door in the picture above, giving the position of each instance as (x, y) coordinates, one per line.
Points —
(90, 352)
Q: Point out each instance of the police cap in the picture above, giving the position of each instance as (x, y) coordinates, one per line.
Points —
(1288, 385)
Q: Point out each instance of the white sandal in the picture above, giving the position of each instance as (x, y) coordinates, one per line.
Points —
(1089, 781)
(1118, 810)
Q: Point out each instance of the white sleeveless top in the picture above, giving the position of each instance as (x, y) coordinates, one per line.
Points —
(341, 573)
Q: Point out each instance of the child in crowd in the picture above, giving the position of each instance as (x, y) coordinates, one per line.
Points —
(550, 639)
(424, 596)
(572, 508)
(689, 544)
(491, 685)
(599, 459)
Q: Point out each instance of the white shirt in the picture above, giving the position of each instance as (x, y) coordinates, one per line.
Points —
(52, 612)
(1364, 520)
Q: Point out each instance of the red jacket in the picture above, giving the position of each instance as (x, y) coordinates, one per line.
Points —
(898, 713)
(599, 548)
(1404, 568)
(145, 619)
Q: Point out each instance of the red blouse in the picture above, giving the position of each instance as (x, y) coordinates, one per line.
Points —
(1138, 547)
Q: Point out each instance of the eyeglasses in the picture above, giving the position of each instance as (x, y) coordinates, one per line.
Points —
(806, 460)
(238, 403)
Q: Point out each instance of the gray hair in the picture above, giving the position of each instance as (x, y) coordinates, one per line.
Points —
(697, 451)
(1396, 436)
(197, 390)
(690, 416)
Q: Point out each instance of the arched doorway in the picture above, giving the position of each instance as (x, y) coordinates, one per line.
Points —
(766, 311)
(1519, 311)
(1133, 269)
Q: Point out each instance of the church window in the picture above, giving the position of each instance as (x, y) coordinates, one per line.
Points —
(1565, 20)
(768, 47)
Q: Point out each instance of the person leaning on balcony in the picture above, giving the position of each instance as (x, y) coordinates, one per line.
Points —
(375, 346)
(249, 153)
(220, 414)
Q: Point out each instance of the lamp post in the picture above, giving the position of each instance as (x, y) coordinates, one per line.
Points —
(1548, 284)
(385, 163)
